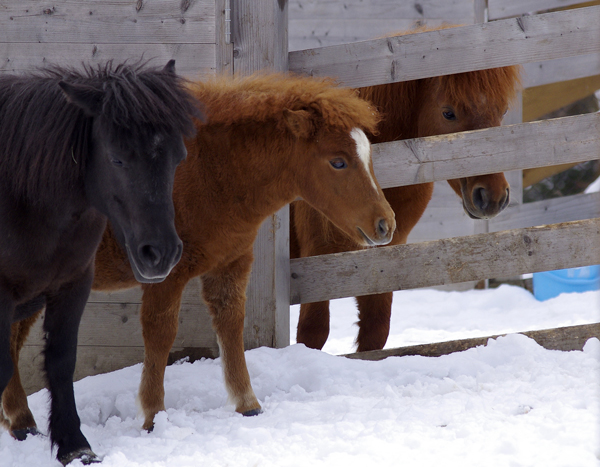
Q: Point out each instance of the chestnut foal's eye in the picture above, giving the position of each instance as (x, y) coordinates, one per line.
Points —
(448, 115)
(338, 163)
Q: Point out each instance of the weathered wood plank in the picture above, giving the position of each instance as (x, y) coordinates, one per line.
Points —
(116, 21)
(260, 43)
(548, 211)
(193, 60)
(504, 148)
(498, 9)
(446, 261)
(90, 361)
(115, 324)
(456, 50)
(560, 69)
(380, 9)
(566, 339)
(319, 32)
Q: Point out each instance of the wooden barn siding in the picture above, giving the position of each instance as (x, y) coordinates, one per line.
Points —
(445, 261)
(37, 33)
(501, 43)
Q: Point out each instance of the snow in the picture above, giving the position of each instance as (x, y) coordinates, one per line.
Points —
(511, 403)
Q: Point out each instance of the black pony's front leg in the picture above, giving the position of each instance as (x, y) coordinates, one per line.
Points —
(7, 309)
(63, 314)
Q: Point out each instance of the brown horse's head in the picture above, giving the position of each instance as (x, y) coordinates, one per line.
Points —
(464, 102)
(336, 175)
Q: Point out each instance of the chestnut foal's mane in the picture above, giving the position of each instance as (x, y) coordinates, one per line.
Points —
(260, 98)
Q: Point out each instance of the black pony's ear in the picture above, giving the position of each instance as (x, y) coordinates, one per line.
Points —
(85, 97)
(170, 67)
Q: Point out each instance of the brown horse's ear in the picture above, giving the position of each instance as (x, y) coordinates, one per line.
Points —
(299, 122)
(85, 97)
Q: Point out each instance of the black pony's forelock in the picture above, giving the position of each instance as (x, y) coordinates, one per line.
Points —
(44, 140)
(139, 99)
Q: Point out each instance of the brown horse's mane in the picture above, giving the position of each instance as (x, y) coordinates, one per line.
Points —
(499, 85)
(264, 97)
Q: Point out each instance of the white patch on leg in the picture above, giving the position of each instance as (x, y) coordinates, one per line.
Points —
(363, 149)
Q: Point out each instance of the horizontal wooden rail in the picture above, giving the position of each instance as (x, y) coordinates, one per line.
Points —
(548, 211)
(102, 22)
(455, 50)
(566, 339)
(447, 261)
(499, 149)
(505, 8)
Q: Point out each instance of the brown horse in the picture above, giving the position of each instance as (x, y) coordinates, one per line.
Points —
(424, 107)
(268, 140)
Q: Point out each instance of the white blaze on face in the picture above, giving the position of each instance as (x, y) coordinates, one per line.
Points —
(363, 149)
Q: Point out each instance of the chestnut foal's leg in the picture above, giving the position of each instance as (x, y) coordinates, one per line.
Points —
(159, 314)
(374, 316)
(15, 415)
(224, 291)
(313, 324)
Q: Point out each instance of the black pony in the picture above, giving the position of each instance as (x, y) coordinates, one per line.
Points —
(76, 148)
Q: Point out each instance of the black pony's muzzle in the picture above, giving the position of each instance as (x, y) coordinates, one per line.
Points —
(153, 261)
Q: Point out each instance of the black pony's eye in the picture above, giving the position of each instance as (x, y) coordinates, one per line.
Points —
(117, 162)
(338, 163)
(448, 115)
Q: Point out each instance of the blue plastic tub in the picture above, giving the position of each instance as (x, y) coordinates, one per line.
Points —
(550, 284)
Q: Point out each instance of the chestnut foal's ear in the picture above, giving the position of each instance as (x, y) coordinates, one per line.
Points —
(170, 67)
(85, 97)
(300, 122)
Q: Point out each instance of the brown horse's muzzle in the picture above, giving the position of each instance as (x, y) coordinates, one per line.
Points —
(484, 201)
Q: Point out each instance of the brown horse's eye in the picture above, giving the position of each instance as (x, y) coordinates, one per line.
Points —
(449, 115)
(117, 162)
(338, 163)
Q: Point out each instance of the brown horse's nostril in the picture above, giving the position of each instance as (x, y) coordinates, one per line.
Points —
(150, 255)
(481, 198)
(506, 199)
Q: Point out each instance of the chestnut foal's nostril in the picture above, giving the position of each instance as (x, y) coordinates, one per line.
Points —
(150, 255)
(382, 228)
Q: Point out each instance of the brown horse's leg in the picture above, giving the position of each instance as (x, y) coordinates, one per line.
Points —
(313, 325)
(225, 294)
(374, 316)
(158, 315)
(15, 415)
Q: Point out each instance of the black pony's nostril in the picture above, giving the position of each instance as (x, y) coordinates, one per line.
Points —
(481, 198)
(150, 254)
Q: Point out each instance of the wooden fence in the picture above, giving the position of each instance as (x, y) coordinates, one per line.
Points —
(110, 336)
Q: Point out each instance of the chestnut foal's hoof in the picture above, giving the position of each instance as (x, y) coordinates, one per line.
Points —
(21, 435)
(85, 455)
(252, 413)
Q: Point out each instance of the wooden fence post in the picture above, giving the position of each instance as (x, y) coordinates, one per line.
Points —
(260, 42)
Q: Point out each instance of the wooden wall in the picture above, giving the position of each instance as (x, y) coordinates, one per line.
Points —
(35, 33)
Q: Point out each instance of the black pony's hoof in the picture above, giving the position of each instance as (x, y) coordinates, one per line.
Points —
(252, 413)
(21, 435)
(85, 455)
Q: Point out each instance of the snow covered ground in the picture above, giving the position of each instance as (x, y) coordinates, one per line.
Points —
(510, 403)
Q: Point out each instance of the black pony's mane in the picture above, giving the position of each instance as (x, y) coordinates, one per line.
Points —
(44, 139)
